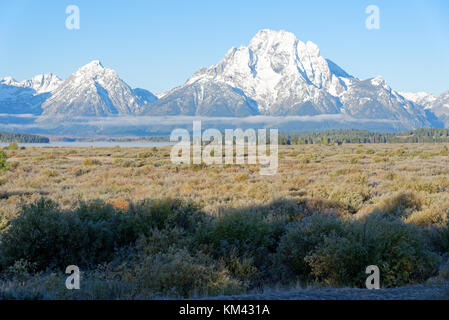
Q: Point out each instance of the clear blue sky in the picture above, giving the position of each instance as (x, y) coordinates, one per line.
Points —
(157, 45)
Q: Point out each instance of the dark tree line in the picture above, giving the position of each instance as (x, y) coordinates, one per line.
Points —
(22, 138)
(331, 137)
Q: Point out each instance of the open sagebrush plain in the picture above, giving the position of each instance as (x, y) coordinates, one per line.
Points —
(140, 227)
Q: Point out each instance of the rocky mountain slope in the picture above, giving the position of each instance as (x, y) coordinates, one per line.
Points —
(284, 76)
(440, 107)
(26, 96)
(94, 90)
(275, 75)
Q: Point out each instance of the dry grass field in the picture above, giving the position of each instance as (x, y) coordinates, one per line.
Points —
(354, 177)
(404, 186)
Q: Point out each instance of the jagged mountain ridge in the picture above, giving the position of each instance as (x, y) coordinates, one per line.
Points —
(275, 75)
(26, 96)
(440, 107)
(437, 106)
(422, 98)
(287, 77)
(94, 90)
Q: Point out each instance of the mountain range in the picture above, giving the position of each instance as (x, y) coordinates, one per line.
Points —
(26, 96)
(275, 75)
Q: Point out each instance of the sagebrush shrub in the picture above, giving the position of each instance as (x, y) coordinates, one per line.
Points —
(241, 232)
(171, 248)
(335, 252)
(168, 213)
(440, 239)
(160, 241)
(13, 146)
(399, 250)
(49, 237)
(178, 273)
(244, 240)
(399, 205)
(91, 162)
(302, 238)
(4, 165)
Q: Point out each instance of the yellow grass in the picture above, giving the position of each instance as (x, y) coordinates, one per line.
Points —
(357, 176)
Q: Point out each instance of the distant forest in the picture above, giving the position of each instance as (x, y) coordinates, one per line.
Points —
(330, 137)
(22, 138)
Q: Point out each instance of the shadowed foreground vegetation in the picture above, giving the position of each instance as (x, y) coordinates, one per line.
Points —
(140, 227)
(171, 248)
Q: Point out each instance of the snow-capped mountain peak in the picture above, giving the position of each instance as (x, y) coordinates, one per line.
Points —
(280, 75)
(26, 96)
(276, 69)
(9, 81)
(422, 98)
(276, 74)
(266, 39)
(42, 83)
(94, 69)
(95, 90)
(93, 66)
(378, 81)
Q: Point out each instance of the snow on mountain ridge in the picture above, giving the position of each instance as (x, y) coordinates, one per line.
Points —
(277, 68)
(8, 81)
(286, 76)
(439, 106)
(422, 98)
(95, 90)
(44, 83)
(26, 96)
(41, 83)
(275, 74)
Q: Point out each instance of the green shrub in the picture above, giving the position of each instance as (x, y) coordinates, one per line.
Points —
(161, 241)
(336, 253)
(241, 232)
(401, 204)
(241, 177)
(399, 250)
(178, 273)
(91, 162)
(170, 248)
(20, 271)
(50, 173)
(4, 165)
(127, 163)
(246, 242)
(440, 239)
(13, 146)
(169, 213)
(144, 155)
(434, 215)
(88, 235)
(302, 238)
(354, 160)
(245, 270)
(354, 199)
(48, 237)
(443, 271)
